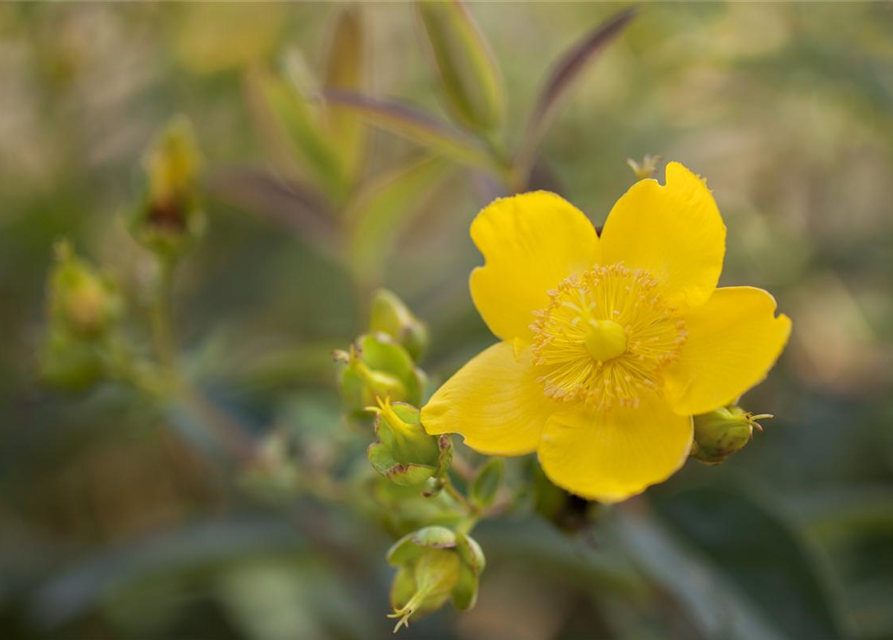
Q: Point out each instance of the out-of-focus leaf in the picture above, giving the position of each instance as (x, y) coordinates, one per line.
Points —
(469, 78)
(541, 547)
(268, 601)
(854, 525)
(293, 117)
(415, 125)
(487, 482)
(72, 593)
(345, 60)
(715, 607)
(384, 209)
(843, 513)
(564, 74)
(275, 198)
(761, 554)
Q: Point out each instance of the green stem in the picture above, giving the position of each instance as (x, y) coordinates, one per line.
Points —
(474, 512)
(162, 319)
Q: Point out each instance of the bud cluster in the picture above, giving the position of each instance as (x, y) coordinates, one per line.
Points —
(84, 342)
(435, 564)
(437, 561)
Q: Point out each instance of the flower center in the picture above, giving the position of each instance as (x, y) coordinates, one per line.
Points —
(605, 337)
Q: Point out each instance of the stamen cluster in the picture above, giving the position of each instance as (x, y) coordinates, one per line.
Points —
(583, 305)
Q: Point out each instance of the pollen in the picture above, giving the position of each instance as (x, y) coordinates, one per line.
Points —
(606, 337)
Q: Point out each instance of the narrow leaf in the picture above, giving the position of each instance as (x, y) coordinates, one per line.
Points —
(384, 210)
(486, 483)
(345, 59)
(294, 119)
(469, 78)
(761, 553)
(287, 203)
(565, 73)
(415, 125)
(713, 605)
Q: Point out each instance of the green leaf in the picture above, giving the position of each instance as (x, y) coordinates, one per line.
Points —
(278, 199)
(469, 78)
(761, 553)
(291, 112)
(564, 74)
(715, 608)
(487, 482)
(417, 126)
(384, 209)
(345, 59)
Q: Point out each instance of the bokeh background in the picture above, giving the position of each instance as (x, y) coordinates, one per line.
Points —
(122, 520)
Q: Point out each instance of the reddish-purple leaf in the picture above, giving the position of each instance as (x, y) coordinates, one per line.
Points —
(565, 72)
(278, 199)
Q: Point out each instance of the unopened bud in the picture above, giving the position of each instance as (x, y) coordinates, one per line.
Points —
(68, 362)
(647, 168)
(435, 564)
(82, 301)
(169, 218)
(389, 315)
(377, 367)
(405, 453)
(722, 432)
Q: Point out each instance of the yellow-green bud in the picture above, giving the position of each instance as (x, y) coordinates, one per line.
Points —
(389, 315)
(69, 362)
(722, 432)
(81, 300)
(169, 218)
(405, 453)
(435, 564)
(377, 367)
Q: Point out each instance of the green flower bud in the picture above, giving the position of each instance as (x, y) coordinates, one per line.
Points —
(81, 300)
(169, 217)
(389, 315)
(377, 367)
(721, 433)
(69, 362)
(402, 509)
(435, 564)
(405, 453)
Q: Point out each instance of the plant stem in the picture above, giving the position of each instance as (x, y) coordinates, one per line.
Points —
(162, 320)
(454, 493)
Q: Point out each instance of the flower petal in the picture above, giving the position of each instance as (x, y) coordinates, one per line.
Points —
(531, 242)
(611, 455)
(674, 231)
(733, 341)
(494, 401)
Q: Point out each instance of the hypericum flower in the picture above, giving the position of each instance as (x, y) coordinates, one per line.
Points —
(609, 343)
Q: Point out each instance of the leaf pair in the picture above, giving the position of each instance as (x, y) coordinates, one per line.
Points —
(472, 91)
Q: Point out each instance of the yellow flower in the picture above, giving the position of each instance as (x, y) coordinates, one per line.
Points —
(609, 343)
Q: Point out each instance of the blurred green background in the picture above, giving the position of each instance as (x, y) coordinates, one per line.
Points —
(121, 520)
